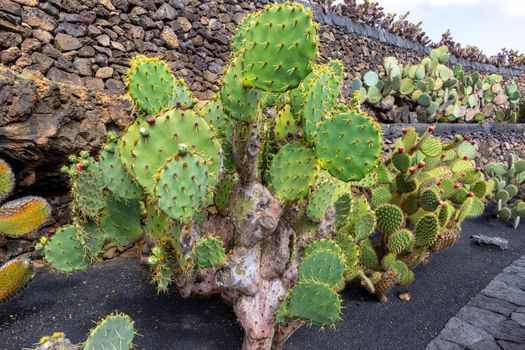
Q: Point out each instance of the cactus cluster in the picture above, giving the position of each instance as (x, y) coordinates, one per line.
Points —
(18, 218)
(252, 194)
(115, 331)
(443, 94)
(21, 216)
(507, 180)
(421, 193)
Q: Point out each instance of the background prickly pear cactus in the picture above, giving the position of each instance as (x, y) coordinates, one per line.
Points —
(443, 94)
(507, 187)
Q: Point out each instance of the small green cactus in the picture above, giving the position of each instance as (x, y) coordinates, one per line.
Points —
(208, 252)
(115, 331)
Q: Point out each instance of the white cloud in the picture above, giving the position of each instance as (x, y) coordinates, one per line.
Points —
(511, 9)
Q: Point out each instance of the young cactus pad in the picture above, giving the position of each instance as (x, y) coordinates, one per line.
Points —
(14, 276)
(23, 216)
(180, 198)
(160, 141)
(65, 252)
(293, 171)
(349, 145)
(113, 332)
(150, 84)
(277, 59)
(208, 252)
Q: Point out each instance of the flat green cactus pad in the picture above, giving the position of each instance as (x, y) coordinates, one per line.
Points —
(158, 224)
(313, 301)
(368, 255)
(427, 230)
(323, 265)
(127, 141)
(293, 171)
(182, 96)
(365, 225)
(65, 252)
(87, 189)
(322, 244)
(285, 126)
(224, 190)
(117, 179)
(182, 184)
(162, 141)
(150, 84)
(352, 254)
(120, 220)
(321, 197)
(239, 102)
(113, 332)
(208, 252)
(238, 41)
(320, 92)
(213, 112)
(349, 145)
(281, 46)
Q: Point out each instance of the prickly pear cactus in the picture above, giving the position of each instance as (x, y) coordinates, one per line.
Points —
(21, 216)
(441, 93)
(14, 276)
(272, 193)
(115, 331)
(427, 189)
(506, 189)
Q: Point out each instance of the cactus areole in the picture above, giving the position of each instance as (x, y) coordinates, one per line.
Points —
(249, 195)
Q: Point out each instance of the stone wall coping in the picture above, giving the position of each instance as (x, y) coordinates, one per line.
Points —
(351, 26)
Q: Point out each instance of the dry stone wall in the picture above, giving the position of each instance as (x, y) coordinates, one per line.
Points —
(89, 42)
(77, 53)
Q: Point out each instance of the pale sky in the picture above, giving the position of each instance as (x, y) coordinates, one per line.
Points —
(488, 24)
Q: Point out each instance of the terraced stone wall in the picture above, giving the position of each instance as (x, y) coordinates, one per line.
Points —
(89, 42)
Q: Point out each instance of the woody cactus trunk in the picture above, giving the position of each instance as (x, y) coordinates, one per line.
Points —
(236, 195)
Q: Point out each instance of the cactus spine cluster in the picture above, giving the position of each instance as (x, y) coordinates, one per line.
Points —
(507, 180)
(442, 93)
